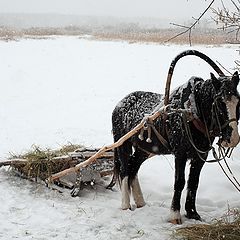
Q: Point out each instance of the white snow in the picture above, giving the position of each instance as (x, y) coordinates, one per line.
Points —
(64, 89)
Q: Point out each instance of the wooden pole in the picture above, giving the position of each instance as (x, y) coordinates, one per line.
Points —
(174, 62)
(107, 148)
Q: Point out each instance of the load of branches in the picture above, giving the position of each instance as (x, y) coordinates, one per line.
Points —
(39, 164)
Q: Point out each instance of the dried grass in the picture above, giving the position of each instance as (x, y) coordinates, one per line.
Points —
(226, 228)
(42, 163)
(199, 36)
(162, 35)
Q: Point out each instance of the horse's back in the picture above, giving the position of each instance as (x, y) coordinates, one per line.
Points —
(131, 109)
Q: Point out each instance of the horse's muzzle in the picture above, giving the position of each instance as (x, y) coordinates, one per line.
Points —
(230, 144)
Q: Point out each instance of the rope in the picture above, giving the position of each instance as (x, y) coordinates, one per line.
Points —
(222, 153)
(222, 156)
(148, 126)
(199, 152)
(215, 109)
(236, 184)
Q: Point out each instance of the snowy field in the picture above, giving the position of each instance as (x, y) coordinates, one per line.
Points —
(63, 90)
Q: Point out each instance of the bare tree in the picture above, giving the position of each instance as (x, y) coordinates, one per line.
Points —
(229, 19)
(188, 29)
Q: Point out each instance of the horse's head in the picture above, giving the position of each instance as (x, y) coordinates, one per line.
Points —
(225, 110)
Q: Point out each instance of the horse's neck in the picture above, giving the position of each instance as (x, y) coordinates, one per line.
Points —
(204, 100)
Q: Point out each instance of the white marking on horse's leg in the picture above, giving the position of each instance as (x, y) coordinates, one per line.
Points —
(137, 193)
(175, 217)
(125, 194)
(231, 109)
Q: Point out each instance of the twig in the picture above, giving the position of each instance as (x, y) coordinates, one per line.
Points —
(13, 162)
(223, 67)
(235, 5)
(189, 28)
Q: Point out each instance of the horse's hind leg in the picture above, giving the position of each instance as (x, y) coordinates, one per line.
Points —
(137, 159)
(122, 156)
(137, 193)
(126, 192)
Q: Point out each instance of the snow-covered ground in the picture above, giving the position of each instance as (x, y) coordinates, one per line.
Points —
(63, 90)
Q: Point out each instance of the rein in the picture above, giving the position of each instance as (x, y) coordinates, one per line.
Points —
(233, 180)
(198, 151)
(223, 154)
(188, 117)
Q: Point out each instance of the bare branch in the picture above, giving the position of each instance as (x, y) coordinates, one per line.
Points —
(178, 25)
(235, 5)
(223, 67)
(229, 20)
(191, 27)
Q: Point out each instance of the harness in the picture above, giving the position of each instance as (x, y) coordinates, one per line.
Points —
(187, 116)
(149, 127)
(215, 121)
(215, 127)
(215, 130)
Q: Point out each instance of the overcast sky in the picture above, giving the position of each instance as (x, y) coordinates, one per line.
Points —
(169, 9)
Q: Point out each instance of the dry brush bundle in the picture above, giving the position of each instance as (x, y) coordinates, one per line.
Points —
(225, 228)
(42, 163)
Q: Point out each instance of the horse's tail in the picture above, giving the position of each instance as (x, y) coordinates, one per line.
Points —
(181, 55)
(116, 171)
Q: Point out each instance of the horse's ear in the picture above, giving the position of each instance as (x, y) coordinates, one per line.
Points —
(235, 78)
(216, 83)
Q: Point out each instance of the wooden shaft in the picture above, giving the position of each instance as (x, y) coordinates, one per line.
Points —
(106, 148)
(174, 62)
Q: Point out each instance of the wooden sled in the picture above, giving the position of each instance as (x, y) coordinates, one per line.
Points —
(40, 167)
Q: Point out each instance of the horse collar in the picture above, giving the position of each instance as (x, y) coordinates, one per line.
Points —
(199, 125)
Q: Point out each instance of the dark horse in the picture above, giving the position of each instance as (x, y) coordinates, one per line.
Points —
(213, 105)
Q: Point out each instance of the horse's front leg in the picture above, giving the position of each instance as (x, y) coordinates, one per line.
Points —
(193, 180)
(180, 163)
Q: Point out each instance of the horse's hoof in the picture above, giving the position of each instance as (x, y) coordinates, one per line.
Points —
(127, 208)
(193, 215)
(176, 221)
(140, 205)
(175, 217)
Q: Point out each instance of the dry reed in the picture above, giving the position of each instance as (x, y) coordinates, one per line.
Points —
(225, 228)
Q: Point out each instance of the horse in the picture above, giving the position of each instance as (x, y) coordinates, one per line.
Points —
(214, 108)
